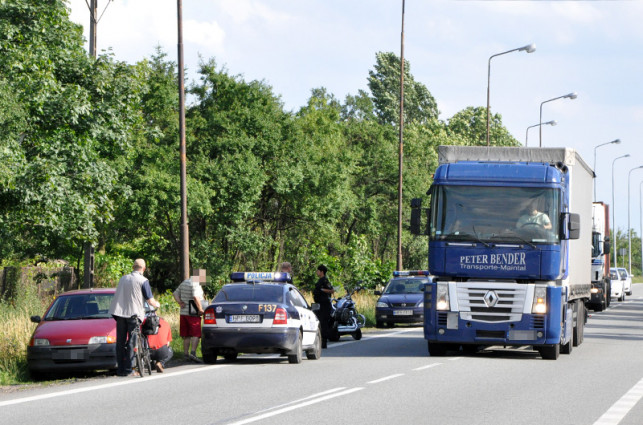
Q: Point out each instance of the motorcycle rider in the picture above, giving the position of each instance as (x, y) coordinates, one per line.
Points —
(322, 296)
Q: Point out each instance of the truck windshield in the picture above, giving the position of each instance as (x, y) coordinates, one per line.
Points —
(495, 214)
(596, 244)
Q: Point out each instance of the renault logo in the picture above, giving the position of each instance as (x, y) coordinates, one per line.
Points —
(490, 298)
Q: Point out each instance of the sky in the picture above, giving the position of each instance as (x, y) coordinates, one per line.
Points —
(592, 48)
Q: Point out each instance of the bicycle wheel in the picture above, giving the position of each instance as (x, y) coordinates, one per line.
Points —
(138, 354)
(146, 356)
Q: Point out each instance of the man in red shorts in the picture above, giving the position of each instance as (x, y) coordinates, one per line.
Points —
(189, 295)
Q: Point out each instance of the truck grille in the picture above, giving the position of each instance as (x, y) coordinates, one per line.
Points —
(485, 302)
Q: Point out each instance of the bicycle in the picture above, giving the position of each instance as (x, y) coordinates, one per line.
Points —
(142, 351)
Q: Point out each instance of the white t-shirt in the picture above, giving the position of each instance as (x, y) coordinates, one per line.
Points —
(186, 291)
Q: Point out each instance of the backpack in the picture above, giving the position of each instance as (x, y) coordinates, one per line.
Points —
(151, 325)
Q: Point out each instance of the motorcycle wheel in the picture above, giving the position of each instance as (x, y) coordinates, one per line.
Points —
(333, 334)
(357, 335)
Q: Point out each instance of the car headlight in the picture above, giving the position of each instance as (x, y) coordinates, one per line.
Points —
(40, 342)
(594, 290)
(540, 300)
(442, 299)
(102, 340)
(381, 304)
(420, 304)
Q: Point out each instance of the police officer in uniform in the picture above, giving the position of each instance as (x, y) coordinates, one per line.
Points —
(322, 296)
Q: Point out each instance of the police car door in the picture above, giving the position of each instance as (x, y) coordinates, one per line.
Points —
(309, 320)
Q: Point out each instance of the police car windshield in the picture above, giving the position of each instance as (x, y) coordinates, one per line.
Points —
(250, 292)
(406, 286)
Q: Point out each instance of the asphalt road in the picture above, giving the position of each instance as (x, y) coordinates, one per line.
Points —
(385, 378)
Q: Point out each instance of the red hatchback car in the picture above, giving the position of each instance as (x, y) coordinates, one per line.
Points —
(77, 333)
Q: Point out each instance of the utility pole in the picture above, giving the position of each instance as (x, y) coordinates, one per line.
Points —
(401, 151)
(93, 26)
(185, 241)
(88, 247)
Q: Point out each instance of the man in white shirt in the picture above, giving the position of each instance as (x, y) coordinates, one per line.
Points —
(128, 310)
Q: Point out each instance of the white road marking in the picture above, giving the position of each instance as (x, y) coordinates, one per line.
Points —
(452, 359)
(621, 408)
(123, 381)
(386, 378)
(366, 338)
(298, 406)
(427, 366)
(303, 399)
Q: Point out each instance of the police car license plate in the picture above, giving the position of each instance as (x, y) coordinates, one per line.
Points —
(244, 318)
(402, 312)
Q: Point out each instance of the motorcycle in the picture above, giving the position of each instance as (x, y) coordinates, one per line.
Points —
(344, 318)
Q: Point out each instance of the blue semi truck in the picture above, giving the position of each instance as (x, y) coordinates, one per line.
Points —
(510, 244)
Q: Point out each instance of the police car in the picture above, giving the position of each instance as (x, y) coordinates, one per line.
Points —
(260, 312)
(402, 301)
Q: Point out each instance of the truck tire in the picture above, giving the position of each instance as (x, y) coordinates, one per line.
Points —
(579, 329)
(567, 348)
(436, 349)
(549, 352)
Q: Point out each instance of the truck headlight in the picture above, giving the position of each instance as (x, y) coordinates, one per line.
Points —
(540, 300)
(594, 290)
(442, 299)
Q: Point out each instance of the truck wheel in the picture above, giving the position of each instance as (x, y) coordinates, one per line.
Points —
(436, 349)
(579, 329)
(549, 352)
(567, 348)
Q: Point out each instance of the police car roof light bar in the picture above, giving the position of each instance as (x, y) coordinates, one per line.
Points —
(260, 277)
(397, 273)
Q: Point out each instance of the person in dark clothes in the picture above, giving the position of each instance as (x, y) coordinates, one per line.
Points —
(322, 296)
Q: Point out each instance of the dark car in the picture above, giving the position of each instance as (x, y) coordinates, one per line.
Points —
(77, 333)
(402, 301)
(262, 314)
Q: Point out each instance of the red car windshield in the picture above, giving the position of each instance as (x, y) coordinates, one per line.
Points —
(80, 306)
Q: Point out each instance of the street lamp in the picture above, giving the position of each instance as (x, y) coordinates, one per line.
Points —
(572, 96)
(629, 232)
(617, 141)
(530, 48)
(552, 122)
(614, 238)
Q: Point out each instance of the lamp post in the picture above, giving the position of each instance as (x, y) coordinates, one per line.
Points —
(629, 232)
(552, 123)
(530, 48)
(617, 141)
(614, 238)
(572, 96)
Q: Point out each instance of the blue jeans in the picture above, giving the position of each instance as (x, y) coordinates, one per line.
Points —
(162, 355)
(125, 343)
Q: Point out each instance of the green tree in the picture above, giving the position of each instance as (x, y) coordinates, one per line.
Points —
(73, 116)
(469, 127)
(384, 82)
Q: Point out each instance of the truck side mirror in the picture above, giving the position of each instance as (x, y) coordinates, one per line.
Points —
(569, 226)
(416, 216)
(574, 226)
(606, 246)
